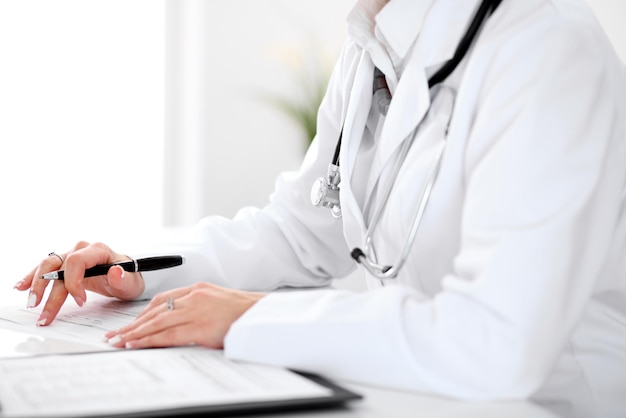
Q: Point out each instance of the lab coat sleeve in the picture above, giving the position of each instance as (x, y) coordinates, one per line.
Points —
(543, 184)
(287, 243)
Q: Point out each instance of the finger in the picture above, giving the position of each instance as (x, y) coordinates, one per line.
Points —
(25, 283)
(157, 306)
(77, 262)
(114, 280)
(160, 300)
(111, 284)
(53, 305)
(152, 312)
(175, 336)
(38, 285)
(188, 322)
(123, 284)
(159, 319)
(149, 312)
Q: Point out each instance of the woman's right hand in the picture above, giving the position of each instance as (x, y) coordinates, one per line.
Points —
(116, 283)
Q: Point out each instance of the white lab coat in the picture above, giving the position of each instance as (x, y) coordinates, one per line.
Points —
(516, 285)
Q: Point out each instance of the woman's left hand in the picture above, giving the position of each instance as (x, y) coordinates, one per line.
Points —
(199, 314)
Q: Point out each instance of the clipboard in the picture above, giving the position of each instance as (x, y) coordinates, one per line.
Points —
(71, 385)
(340, 397)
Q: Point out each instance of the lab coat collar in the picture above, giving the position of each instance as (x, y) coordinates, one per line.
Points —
(387, 29)
(399, 23)
(390, 27)
(361, 21)
(361, 29)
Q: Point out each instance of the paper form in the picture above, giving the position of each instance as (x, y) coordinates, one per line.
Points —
(83, 327)
(129, 381)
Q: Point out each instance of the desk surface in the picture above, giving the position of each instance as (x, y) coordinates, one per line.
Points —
(379, 402)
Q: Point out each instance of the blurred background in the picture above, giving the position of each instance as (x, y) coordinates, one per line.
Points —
(120, 119)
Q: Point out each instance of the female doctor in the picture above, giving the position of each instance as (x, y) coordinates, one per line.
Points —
(485, 206)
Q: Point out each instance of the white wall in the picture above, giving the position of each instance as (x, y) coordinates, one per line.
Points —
(81, 122)
(225, 145)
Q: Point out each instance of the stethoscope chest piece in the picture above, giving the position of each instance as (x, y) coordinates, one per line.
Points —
(325, 191)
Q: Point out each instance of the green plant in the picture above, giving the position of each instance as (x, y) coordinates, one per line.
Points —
(303, 106)
(309, 76)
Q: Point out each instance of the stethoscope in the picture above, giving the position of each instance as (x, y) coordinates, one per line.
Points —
(325, 190)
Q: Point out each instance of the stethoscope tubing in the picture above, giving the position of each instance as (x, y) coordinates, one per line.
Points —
(367, 256)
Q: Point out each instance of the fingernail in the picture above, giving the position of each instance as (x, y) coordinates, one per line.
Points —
(79, 301)
(129, 344)
(32, 300)
(116, 339)
(43, 319)
(18, 284)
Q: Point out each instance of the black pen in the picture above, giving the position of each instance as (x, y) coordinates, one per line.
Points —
(140, 264)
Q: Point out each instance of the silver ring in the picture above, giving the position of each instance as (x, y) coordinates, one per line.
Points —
(56, 255)
(170, 304)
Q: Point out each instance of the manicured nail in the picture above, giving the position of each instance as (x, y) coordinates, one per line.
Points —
(123, 273)
(130, 345)
(116, 339)
(18, 284)
(43, 319)
(79, 301)
(32, 300)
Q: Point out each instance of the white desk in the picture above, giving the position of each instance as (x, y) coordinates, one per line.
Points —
(378, 402)
(381, 403)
